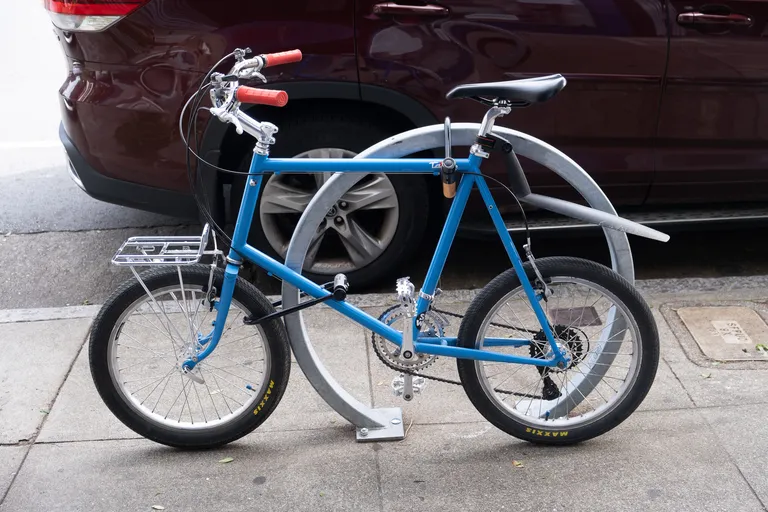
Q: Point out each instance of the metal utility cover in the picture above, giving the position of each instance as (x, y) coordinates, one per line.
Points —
(575, 317)
(724, 332)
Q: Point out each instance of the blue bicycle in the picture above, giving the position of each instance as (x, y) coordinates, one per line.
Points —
(554, 350)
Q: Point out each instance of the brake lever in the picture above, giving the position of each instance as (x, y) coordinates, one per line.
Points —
(255, 74)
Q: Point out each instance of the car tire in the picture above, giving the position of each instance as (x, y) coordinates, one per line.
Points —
(325, 134)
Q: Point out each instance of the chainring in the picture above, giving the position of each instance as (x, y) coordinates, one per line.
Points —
(430, 324)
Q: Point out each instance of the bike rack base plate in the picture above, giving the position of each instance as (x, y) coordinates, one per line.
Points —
(392, 431)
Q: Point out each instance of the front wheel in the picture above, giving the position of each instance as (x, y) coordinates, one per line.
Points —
(138, 344)
(601, 323)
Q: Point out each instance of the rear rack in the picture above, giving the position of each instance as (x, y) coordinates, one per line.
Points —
(150, 251)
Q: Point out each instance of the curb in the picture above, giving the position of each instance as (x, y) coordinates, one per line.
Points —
(8, 316)
(648, 287)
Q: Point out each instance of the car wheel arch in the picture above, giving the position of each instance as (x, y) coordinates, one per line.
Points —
(222, 147)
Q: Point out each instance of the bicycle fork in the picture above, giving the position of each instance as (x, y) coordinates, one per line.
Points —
(234, 262)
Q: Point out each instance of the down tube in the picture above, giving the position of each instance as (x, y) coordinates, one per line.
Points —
(446, 240)
(296, 280)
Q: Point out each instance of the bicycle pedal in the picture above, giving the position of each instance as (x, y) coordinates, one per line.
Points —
(407, 385)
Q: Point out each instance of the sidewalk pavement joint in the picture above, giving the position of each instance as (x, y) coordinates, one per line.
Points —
(734, 463)
(31, 442)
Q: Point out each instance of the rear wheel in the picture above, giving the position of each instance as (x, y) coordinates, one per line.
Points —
(375, 226)
(599, 320)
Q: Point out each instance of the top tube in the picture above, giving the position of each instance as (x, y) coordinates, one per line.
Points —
(385, 165)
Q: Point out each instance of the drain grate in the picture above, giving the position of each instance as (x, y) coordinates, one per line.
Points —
(726, 333)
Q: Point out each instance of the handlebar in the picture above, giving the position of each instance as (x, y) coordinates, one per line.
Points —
(227, 94)
(269, 97)
(278, 59)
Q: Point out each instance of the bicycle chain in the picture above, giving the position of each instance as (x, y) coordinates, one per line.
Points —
(443, 379)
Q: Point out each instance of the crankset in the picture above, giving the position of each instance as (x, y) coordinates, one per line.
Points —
(432, 323)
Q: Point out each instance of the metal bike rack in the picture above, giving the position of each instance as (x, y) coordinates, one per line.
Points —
(386, 424)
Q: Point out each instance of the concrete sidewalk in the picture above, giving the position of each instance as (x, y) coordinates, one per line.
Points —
(699, 441)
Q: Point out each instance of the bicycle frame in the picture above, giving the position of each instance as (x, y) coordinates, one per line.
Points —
(468, 169)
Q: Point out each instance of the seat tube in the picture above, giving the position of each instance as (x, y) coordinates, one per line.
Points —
(446, 240)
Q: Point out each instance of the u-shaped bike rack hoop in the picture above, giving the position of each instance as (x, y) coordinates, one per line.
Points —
(386, 423)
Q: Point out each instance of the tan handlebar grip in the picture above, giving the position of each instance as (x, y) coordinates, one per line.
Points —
(449, 190)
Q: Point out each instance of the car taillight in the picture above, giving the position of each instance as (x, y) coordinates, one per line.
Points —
(89, 15)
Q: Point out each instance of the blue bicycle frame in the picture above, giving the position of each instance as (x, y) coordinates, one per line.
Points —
(469, 170)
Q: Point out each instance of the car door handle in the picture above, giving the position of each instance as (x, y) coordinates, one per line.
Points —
(702, 18)
(395, 9)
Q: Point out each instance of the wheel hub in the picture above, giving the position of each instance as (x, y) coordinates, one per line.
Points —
(568, 342)
(355, 231)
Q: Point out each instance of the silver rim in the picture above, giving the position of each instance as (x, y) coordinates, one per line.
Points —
(608, 363)
(149, 343)
(356, 231)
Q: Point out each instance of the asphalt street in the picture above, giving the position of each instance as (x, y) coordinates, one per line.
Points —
(56, 243)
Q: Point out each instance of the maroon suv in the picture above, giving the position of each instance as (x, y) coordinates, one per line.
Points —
(665, 104)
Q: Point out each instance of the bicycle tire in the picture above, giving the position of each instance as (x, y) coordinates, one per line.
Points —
(265, 401)
(566, 267)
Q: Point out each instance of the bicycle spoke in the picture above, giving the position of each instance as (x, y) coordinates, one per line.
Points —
(158, 354)
(239, 388)
(151, 326)
(535, 387)
(202, 409)
(575, 388)
(236, 363)
(183, 385)
(210, 396)
(611, 366)
(141, 361)
(157, 377)
(161, 306)
(601, 380)
(165, 330)
(156, 385)
(184, 312)
(161, 393)
(519, 367)
(527, 394)
(227, 371)
(576, 368)
(232, 342)
(222, 393)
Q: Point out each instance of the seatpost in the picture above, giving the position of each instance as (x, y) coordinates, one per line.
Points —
(498, 110)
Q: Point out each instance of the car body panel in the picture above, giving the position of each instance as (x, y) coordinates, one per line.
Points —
(127, 85)
(695, 135)
(613, 54)
(713, 128)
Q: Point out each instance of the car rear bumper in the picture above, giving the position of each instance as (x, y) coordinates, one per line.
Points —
(125, 193)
